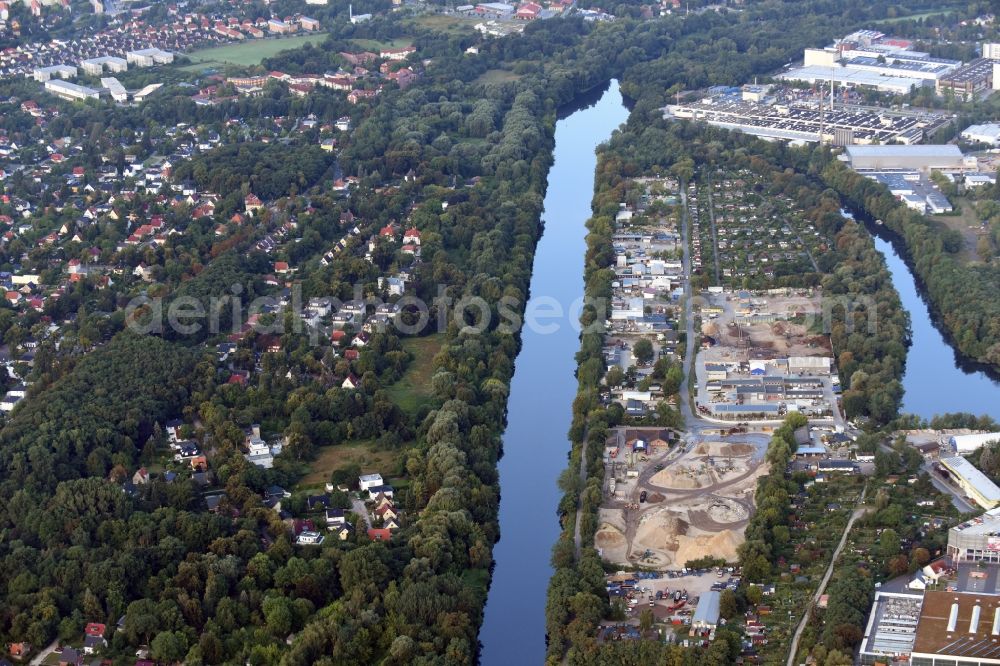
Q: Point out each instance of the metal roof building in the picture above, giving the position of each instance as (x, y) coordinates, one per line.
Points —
(977, 539)
(706, 615)
(975, 484)
(957, 626)
(924, 157)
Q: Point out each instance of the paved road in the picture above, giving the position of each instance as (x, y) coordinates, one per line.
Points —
(40, 657)
(957, 499)
(858, 512)
(358, 507)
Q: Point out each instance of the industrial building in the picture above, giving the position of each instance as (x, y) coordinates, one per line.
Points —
(892, 627)
(957, 628)
(976, 540)
(968, 79)
(149, 57)
(986, 133)
(974, 483)
(96, 66)
(961, 444)
(706, 615)
(914, 189)
(924, 157)
(43, 74)
(857, 78)
(991, 51)
(798, 116)
(71, 91)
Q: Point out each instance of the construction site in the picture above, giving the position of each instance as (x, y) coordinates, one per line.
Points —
(666, 506)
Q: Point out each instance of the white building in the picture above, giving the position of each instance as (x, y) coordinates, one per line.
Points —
(973, 483)
(43, 74)
(71, 91)
(986, 133)
(366, 481)
(149, 57)
(115, 87)
(96, 66)
(962, 444)
(991, 50)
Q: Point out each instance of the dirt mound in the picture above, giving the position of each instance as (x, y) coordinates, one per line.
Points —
(681, 478)
(727, 512)
(722, 544)
(701, 449)
(609, 537)
(654, 498)
(737, 450)
(660, 531)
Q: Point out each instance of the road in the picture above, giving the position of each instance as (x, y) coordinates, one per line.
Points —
(957, 499)
(358, 507)
(40, 657)
(858, 512)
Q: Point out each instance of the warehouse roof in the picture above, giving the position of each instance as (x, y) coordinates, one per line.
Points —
(959, 624)
(988, 523)
(932, 150)
(707, 612)
(973, 477)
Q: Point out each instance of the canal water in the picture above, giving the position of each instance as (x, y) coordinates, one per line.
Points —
(936, 380)
(535, 444)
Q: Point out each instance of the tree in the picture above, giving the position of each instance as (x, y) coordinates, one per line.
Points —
(642, 350)
(170, 646)
(645, 620)
(728, 605)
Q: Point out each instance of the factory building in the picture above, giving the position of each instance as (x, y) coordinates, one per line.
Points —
(968, 79)
(957, 628)
(973, 483)
(96, 66)
(962, 444)
(892, 627)
(976, 540)
(43, 74)
(922, 157)
(987, 133)
(71, 91)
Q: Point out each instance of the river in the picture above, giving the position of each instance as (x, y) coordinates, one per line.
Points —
(540, 407)
(936, 379)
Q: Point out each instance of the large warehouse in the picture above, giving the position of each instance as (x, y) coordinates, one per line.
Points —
(957, 627)
(922, 157)
(976, 540)
(968, 443)
(974, 483)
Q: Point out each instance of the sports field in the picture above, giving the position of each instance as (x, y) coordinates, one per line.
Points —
(248, 53)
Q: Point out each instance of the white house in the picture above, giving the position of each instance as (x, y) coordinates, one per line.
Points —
(366, 481)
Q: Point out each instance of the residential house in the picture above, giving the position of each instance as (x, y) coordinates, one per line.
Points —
(376, 534)
(366, 481)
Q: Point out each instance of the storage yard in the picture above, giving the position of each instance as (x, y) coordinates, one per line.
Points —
(667, 506)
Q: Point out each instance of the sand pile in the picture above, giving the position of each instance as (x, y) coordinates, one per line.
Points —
(680, 477)
(660, 530)
(727, 512)
(608, 536)
(722, 544)
(737, 450)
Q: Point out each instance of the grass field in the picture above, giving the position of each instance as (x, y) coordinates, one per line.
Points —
(248, 53)
(967, 223)
(915, 17)
(375, 45)
(413, 390)
(497, 76)
(362, 453)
